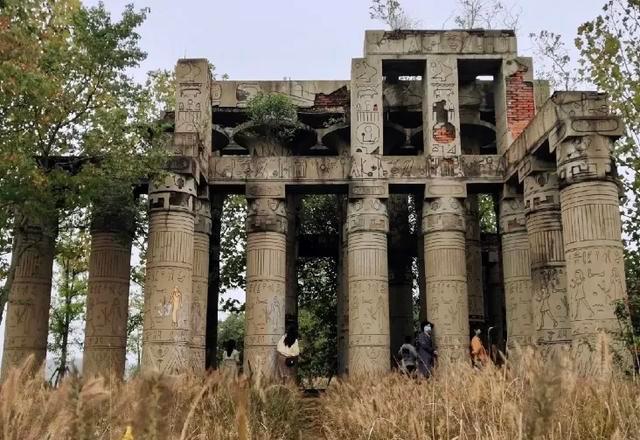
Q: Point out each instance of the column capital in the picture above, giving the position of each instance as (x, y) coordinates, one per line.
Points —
(174, 192)
(367, 215)
(585, 158)
(262, 189)
(443, 214)
(368, 188)
(267, 214)
(512, 215)
(541, 192)
(203, 216)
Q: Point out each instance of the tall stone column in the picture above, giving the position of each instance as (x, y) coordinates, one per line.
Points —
(213, 289)
(550, 308)
(201, 244)
(27, 319)
(446, 276)
(368, 283)
(343, 292)
(105, 341)
(516, 270)
(266, 283)
(400, 278)
(291, 305)
(592, 244)
(474, 261)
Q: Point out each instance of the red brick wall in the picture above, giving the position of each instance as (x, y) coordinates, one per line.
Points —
(335, 99)
(444, 133)
(520, 102)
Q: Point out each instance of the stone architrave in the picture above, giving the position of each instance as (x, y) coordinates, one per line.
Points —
(367, 226)
(400, 273)
(201, 254)
(441, 107)
(166, 340)
(27, 319)
(550, 308)
(474, 261)
(366, 105)
(516, 269)
(592, 244)
(105, 341)
(443, 225)
(266, 284)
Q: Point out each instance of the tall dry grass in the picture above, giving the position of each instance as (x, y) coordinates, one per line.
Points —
(155, 408)
(530, 399)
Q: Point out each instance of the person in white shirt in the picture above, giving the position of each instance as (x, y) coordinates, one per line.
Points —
(230, 358)
(288, 353)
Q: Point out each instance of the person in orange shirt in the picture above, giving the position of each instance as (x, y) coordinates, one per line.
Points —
(478, 353)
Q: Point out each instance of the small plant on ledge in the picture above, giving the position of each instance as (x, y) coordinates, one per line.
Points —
(274, 113)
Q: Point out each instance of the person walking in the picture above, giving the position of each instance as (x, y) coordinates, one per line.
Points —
(408, 356)
(288, 353)
(425, 347)
(478, 353)
(230, 358)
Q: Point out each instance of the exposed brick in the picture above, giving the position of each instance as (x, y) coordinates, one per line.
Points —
(444, 134)
(520, 102)
(337, 98)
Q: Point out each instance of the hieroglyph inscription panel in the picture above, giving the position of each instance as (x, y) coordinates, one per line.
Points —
(366, 105)
(193, 100)
(442, 136)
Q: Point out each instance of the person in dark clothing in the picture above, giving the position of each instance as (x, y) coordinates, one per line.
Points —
(408, 356)
(427, 352)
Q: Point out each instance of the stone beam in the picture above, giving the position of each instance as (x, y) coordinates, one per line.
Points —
(335, 170)
(564, 114)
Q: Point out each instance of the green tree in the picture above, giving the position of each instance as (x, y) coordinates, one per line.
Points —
(232, 328)
(68, 305)
(75, 129)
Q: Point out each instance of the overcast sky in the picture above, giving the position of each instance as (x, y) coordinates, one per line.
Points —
(302, 39)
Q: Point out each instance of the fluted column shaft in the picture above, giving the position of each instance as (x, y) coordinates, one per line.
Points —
(548, 269)
(166, 341)
(474, 261)
(198, 316)
(266, 284)
(592, 244)
(516, 270)
(446, 276)
(27, 319)
(105, 342)
(368, 286)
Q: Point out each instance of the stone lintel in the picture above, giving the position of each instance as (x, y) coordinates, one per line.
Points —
(339, 170)
(362, 189)
(423, 42)
(578, 126)
(262, 189)
(563, 108)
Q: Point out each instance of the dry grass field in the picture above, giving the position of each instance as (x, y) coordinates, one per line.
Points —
(527, 400)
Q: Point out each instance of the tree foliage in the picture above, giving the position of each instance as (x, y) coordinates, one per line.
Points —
(487, 14)
(64, 92)
(392, 14)
(556, 65)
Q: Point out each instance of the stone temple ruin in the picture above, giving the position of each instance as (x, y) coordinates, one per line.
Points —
(441, 116)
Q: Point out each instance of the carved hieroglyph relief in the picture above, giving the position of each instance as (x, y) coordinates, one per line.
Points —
(193, 100)
(516, 272)
(368, 286)
(105, 342)
(366, 106)
(442, 136)
(443, 225)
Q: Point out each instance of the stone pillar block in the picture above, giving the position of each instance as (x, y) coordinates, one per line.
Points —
(105, 342)
(343, 293)
(266, 283)
(193, 106)
(169, 279)
(516, 269)
(366, 105)
(27, 319)
(213, 288)
(548, 268)
(367, 226)
(441, 109)
(291, 306)
(443, 224)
